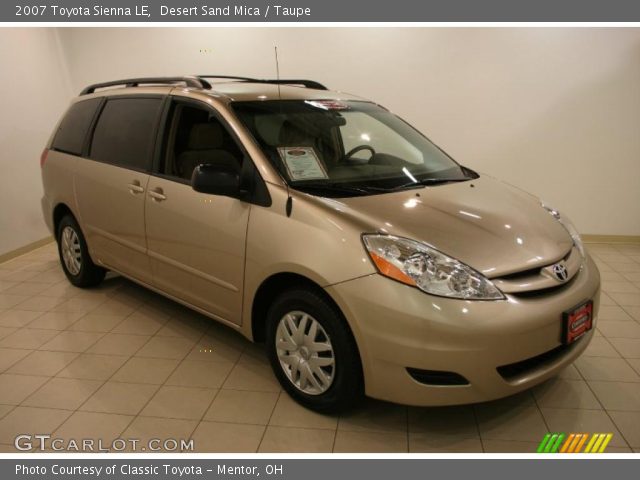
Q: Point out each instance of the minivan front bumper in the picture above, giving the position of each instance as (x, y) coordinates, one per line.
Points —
(398, 327)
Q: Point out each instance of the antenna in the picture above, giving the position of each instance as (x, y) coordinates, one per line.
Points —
(278, 72)
(289, 205)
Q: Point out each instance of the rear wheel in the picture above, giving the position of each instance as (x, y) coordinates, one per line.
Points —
(74, 255)
(312, 352)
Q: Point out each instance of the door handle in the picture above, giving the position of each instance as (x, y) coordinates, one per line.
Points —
(157, 195)
(135, 187)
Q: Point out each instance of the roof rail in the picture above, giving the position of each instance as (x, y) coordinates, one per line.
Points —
(228, 77)
(305, 83)
(195, 82)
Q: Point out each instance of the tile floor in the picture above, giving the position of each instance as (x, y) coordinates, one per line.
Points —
(122, 362)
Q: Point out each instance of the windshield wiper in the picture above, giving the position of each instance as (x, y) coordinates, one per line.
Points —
(334, 188)
(369, 189)
(426, 182)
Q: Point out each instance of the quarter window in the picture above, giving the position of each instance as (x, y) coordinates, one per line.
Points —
(125, 132)
(74, 126)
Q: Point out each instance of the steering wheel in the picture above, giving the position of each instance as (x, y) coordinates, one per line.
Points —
(357, 149)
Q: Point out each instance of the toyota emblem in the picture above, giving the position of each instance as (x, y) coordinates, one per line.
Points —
(560, 271)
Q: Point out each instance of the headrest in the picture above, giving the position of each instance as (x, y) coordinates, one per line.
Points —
(293, 136)
(205, 136)
(268, 128)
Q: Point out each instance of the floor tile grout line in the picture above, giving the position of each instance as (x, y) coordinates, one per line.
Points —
(51, 378)
(102, 334)
(477, 423)
(44, 351)
(206, 410)
(165, 384)
(202, 419)
(235, 363)
(264, 432)
(49, 245)
(13, 407)
(625, 309)
(104, 382)
(5, 371)
(111, 377)
(202, 335)
(30, 321)
(604, 409)
(623, 357)
(406, 413)
(544, 419)
(335, 437)
(128, 316)
(85, 315)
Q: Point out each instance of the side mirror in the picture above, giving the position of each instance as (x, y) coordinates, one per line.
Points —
(217, 180)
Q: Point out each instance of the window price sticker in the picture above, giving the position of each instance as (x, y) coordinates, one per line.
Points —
(302, 163)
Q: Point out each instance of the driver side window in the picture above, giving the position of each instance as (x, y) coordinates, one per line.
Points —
(195, 138)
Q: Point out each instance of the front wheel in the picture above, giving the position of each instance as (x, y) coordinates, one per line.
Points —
(74, 255)
(313, 353)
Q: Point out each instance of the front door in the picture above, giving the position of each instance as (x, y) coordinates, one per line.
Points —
(196, 241)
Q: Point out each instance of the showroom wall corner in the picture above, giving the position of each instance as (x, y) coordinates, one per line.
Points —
(36, 90)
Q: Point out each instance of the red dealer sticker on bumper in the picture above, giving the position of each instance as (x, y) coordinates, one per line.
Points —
(577, 322)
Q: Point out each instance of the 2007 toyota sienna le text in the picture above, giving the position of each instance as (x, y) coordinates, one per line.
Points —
(366, 259)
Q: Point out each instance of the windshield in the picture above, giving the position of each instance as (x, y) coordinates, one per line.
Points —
(339, 148)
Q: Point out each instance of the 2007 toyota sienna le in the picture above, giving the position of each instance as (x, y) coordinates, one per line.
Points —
(366, 259)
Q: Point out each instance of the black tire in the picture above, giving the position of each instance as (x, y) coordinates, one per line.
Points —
(89, 274)
(346, 390)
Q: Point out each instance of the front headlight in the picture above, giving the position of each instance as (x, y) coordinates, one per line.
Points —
(421, 266)
(568, 226)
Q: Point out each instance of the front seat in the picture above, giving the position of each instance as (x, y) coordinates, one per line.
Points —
(291, 135)
(205, 145)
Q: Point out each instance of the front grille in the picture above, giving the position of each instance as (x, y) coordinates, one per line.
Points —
(540, 280)
(513, 371)
(437, 377)
(545, 291)
(522, 274)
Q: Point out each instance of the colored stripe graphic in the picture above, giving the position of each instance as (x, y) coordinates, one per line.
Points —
(596, 446)
(605, 442)
(543, 443)
(567, 443)
(574, 443)
(550, 443)
(601, 442)
(581, 443)
(556, 445)
(590, 444)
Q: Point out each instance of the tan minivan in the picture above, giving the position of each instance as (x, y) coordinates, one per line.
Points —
(367, 259)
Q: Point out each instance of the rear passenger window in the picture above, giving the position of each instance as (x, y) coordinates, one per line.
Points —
(74, 126)
(125, 132)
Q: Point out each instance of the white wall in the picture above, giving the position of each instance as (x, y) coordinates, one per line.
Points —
(555, 111)
(34, 91)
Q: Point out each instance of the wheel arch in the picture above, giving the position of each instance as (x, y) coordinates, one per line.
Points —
(272, 287)
(59, 212)
(267, 291)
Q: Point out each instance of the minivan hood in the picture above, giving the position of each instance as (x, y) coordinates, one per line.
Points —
(491, 226)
